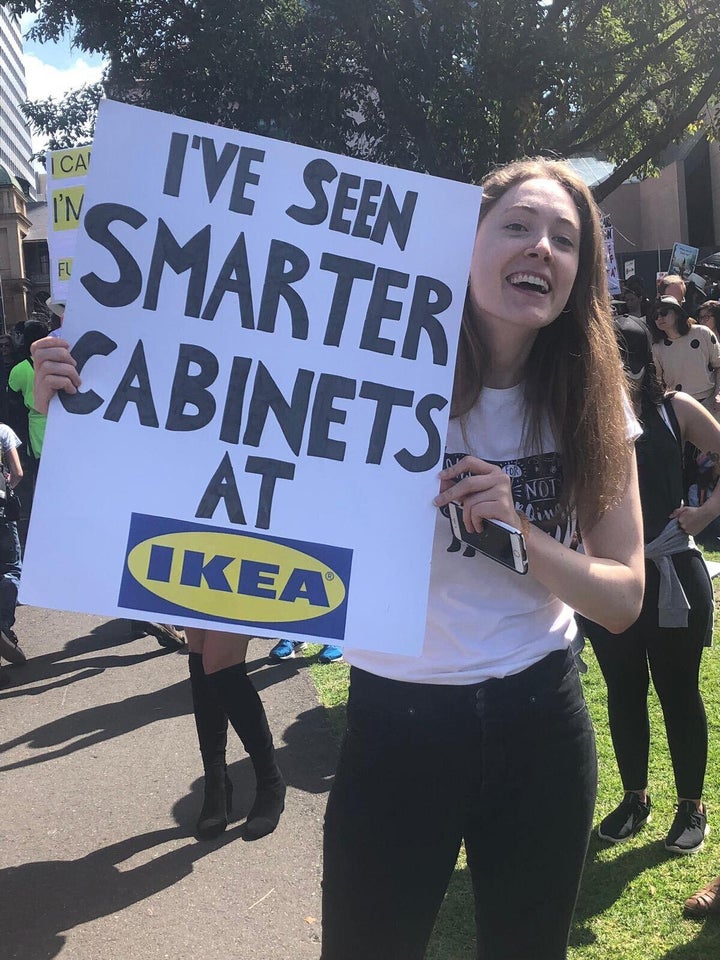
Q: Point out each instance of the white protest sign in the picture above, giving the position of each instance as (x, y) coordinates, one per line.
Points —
(629, 269)
(67, 171)
(613, 276)
(682, 260)
(266, 335)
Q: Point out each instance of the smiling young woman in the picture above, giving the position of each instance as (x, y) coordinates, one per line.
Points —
(571, 372)
(484, 737)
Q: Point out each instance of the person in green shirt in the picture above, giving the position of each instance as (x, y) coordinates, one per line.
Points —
(22, 379)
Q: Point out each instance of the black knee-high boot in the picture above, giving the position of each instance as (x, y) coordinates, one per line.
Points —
(211, 722)
(245, 711)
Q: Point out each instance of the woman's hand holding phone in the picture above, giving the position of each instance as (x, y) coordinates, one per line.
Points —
(481, 488)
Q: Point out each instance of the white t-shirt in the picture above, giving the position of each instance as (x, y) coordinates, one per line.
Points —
(9, 440)
(485, 620)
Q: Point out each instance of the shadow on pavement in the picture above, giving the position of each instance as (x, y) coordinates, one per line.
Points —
(49, 897)
(98, 723)
(61, 663)
(46, 899)
(307, 758)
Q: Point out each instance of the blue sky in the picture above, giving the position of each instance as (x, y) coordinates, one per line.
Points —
(60, 55)
(52, 69)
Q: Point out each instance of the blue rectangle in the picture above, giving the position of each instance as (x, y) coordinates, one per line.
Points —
(174, 569)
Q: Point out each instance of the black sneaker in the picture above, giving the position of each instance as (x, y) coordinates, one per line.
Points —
(9, 647)
(626, 820)
(689, 829)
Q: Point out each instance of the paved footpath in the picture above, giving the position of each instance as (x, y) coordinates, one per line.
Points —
(100, 785)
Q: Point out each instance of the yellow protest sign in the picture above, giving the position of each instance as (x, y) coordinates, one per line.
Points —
(66, 207)
(67, 171)
(64, 268)
(70, 164)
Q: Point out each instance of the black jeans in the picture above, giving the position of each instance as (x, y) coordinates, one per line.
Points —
(10, 571)
(508, 766)
(672, 656)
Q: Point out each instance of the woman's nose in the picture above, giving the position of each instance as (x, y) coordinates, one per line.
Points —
(541, 247)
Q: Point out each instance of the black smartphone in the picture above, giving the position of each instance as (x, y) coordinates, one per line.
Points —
(498, 541)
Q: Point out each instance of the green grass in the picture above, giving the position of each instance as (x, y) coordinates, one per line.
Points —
(630, 905)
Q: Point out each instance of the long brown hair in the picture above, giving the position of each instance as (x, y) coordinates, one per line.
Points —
(573, 375)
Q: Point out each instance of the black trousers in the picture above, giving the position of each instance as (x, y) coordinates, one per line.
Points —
(672, 657)
(508, 766)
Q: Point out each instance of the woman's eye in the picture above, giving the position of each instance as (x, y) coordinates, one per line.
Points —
(565, 241)
(516, 226)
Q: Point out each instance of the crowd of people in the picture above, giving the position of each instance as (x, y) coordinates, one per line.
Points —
(491, 714)
(22, 429)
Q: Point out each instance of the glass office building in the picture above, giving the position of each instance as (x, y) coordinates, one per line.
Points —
(15, 144)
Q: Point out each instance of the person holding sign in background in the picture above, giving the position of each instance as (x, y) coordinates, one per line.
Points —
(485, 737)
(221, 689)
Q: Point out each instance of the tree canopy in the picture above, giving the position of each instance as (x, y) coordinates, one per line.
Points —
(446, 86)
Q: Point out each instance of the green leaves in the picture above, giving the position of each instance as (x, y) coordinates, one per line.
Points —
(450, 86)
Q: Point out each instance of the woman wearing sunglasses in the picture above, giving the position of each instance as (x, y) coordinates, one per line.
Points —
(708, 315)
(686, 354)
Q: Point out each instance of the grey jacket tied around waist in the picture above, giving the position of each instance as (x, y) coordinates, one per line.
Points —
(673, 604)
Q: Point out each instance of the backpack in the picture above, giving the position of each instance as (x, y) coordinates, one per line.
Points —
(9, 503)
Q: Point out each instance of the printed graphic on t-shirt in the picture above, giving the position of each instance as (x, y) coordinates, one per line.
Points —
(537, 489)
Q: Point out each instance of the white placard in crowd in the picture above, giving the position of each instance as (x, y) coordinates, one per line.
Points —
(683, 259)
(66, 175)
(629, 269)
(266, 335)
(613, 276)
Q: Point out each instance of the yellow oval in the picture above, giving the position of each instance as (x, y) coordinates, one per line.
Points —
(319, 580)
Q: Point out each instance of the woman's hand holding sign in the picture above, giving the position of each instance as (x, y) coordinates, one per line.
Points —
(54, 370)
(483, 490)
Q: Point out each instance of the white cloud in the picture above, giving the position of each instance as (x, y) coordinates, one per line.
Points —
(44, 80)
(52, 70)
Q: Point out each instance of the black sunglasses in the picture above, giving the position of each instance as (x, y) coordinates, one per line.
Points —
(665, 311)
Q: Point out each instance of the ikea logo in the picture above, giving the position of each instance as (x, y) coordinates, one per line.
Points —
(175, 568)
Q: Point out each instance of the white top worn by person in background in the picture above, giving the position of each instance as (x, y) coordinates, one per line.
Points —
(9, 442)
